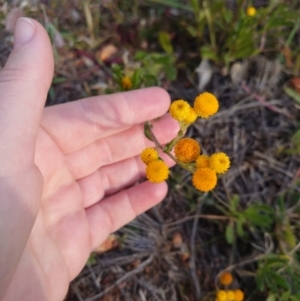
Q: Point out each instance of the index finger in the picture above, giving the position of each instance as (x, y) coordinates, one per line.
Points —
(76, 124)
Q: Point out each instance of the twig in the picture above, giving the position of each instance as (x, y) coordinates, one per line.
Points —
(291, 259)
(96, 282)
(159, 146)
(293, 251)
(122, 279)
(192, 262)
(77, 292)
(253, 259)
(247, 261)
(265, 103)
(204, 216)
(152, 289)
(291, 210)
(219, 199)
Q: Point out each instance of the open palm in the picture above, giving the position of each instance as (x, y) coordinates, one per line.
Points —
(84, 165)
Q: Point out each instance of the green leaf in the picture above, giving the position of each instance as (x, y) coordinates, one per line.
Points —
(92, 259)
(163, 59)
(195, 5)
(279, 280)
(229, 234)
(58, 80)
(260, 281)
(171, 72)
(271, 298)
(289, 236)
(285, 296)
(227, 14)
(239, 226)
(260, 215)
(116, 68)
(136, 79)
(291, 93)
(150, 80)
(234, 201)
(275, 261)
(147, 130)
(191, 30)
(165, 42)
(208, 53)
(140, 55)
(296, 137)
(172, 3)
(117, 73)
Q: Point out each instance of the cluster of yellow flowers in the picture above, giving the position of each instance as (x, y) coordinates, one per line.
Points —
(156, 170)
(126, 83)
(228, 295)
(251, 11)
(187, 151)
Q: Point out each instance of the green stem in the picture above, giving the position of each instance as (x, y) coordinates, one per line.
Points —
(169, 146)
(210, 25)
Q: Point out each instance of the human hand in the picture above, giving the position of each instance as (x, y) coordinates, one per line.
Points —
(66, 172)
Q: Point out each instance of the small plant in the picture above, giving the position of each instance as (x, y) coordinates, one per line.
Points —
(125, 81)
(277, 271)
(227, 292)
(225, 34)
(148, 70)
(257, 215)
(279, 275)
(187, 151)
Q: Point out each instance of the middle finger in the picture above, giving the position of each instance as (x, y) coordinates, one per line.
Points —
(118, 147)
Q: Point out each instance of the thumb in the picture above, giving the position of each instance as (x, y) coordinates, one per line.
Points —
(24, 84)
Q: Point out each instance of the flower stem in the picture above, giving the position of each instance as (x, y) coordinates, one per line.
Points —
(166, 150)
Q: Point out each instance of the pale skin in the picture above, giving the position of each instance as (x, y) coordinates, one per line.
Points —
(67, 171)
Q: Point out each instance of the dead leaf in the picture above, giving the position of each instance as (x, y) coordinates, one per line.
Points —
(288, 56)
(58, 40)
(204, 72)
(87, 61)
(177, 240)
(185, 256)
(110, 243)
(136, 263)
(12, 18)
(106, 52)
(236, 73)
(296, 84)
(184, 252)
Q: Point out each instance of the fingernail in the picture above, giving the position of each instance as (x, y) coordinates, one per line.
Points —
(24, 32)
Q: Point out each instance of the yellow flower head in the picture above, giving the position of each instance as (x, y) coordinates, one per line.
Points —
(157, 171)
(206, 104)
(230, 296)
(202, 161)
(204, 179)
(221, 295)
(191, 117)
(219, 162)
(180, 110)
(187, 150)
(251, 11)
(149, 154)
(226, 278)
(126, 83)
(239, 295)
